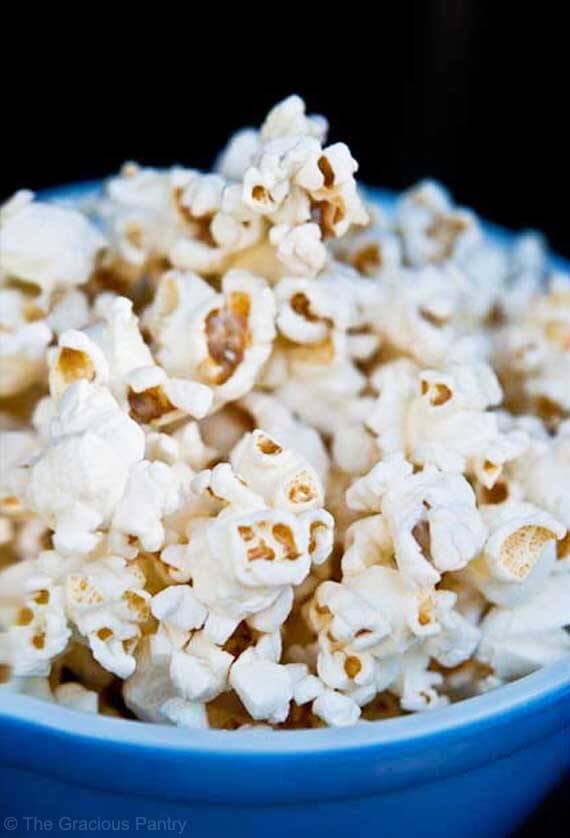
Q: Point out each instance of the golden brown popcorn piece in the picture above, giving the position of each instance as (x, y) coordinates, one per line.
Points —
(367, 260)
(149, 405)
(328, 214)
(285, 537)
(352, 666)
(200, 224)
(81, 591)
(228, 337)
(439, 394)
(137, 605)
(522, 548)
(446, 229)
(302, 491)
(74, 365)
(268, 446)
(498, 493)
(563, 547)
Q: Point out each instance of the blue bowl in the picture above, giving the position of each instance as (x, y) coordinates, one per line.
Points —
(477, 767)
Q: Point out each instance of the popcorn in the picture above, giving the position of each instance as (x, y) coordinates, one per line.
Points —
(37, 628)
(264, 687)
(107, 602)
(200, 671)
(451, 408)
(151, 695)
(177, 606)
(24, 338)
(431, 229)
(247, 561)
(142, 211)
(543, 473)
(153, 491)
(433, 521)
(271, 457)
(220, 340)
(76, 697)
(78, 479)
(534, 353)
(521, 639)
(335, 709)
(416, 684)
(282, 478)
(272, 416)
(17, 449)
(46, 245)
(299, 249)
(518, 554)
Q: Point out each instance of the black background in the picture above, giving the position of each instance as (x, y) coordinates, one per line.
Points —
(474, 93)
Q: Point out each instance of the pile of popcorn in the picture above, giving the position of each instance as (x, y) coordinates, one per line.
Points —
(274, 457)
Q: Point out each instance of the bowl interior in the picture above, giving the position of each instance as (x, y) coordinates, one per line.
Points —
(541, 689)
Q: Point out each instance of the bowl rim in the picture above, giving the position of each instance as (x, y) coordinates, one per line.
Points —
(531, 693)
(528, 695)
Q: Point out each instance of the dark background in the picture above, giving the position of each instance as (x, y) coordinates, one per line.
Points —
(474, 93)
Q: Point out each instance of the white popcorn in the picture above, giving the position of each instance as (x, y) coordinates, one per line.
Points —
(24, 338)
(434, 523)
(46, 245)
(288, 118)
(81, 474)
(367, 541)
(271, 457)
(543, 474)
(76, 358)
(432, 230)
(306, 687)
(396, 384)
(373, 252)
(533, 351)
(448, 423)
(335, 709)
(17, 449)
(37, 630)
(177, 606)
(70, 311)
(151, 695)
(300, 248)
(191, 714)
(416, 684)
(264, 687)
(247, 560)
(273, 417)
(142, 211)
(106, 601)
(433, 520)
(276, 473)
(76, 697)
(418, 311)
(199, 672)
(153, 490)
(516, 641)
(220, 340)
(365, 494)
(238, 154)
(518, 554)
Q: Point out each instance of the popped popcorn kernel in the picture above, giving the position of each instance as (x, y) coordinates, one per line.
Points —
(273, 456)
